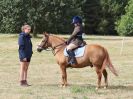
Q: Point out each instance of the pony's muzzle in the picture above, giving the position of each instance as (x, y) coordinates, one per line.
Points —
(39, 49)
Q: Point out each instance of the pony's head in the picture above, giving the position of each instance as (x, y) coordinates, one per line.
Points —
(44, 44)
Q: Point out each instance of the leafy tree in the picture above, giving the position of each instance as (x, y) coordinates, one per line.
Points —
(125, 24)
(91, 10)
(55, 15)
(111, 11)
(43, 15)
(100, 15)
(7, 16)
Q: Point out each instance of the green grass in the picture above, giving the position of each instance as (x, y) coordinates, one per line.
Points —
(82, 89)
(44, 74)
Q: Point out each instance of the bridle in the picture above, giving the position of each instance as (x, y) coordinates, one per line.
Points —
(53, 48)
(44, 43)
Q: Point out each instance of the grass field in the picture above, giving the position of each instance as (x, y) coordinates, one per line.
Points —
(44, 74)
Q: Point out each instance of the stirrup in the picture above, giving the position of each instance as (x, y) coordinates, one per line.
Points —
(72, 61)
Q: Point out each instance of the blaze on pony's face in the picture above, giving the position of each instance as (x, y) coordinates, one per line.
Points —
(44, 43)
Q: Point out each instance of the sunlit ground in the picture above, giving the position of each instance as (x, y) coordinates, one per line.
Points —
(44, 74)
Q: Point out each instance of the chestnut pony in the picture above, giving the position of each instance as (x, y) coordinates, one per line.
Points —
(94, 56)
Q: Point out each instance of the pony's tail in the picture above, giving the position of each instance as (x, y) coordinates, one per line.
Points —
(107, 62)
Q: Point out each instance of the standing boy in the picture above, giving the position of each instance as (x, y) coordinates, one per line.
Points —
(25, 53)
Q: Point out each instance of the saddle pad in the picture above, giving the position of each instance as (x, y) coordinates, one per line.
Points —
(78, 52)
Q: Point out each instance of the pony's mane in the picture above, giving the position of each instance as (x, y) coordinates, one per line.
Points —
(60, 38)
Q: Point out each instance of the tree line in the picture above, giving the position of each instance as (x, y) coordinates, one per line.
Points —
(101, 17)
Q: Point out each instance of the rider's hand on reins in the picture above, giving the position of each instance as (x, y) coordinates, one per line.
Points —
(67, 42)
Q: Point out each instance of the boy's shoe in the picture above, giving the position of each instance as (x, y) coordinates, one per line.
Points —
(24, 83)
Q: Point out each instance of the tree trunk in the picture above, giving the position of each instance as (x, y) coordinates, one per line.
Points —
(34, 30)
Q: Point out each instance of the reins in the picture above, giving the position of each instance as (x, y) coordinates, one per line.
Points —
(55, 47)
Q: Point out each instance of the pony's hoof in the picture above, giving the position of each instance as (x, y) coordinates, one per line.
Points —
(64, 86)
(96, 88)
(105, 87)
(61, 86)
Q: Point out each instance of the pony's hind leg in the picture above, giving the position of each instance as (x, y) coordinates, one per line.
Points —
(99, 74)
(105, 74)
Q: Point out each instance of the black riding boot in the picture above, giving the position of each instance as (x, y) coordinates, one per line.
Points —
(71, 59)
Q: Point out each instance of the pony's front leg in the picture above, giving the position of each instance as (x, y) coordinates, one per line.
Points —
(64, 76)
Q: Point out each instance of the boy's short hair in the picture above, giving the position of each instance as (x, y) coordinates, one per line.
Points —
(24, 27)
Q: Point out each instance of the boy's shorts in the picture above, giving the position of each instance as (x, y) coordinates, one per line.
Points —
(27, 60)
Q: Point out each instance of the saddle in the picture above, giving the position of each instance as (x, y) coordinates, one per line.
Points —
(79, 51)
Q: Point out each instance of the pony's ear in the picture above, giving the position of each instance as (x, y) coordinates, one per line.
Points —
(45, 33)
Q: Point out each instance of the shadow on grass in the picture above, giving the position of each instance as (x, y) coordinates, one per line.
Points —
(112, 87)
(121, 87)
